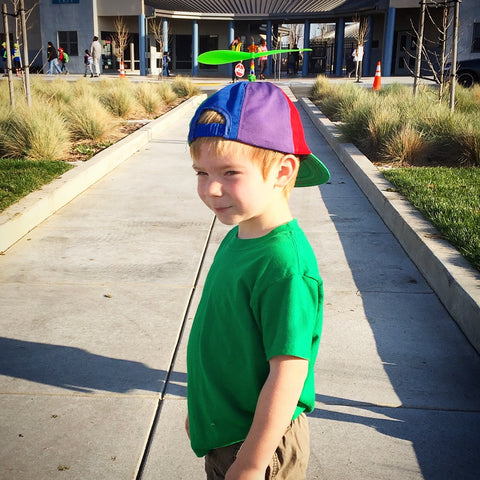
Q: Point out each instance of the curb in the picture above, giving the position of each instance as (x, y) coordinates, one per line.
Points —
(20, 218)
(451, 277)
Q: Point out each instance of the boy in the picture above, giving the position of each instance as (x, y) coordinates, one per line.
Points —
(255, 336)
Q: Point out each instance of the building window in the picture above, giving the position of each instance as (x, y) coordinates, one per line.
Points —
(207, 43)
(476, 38)
(68, 41)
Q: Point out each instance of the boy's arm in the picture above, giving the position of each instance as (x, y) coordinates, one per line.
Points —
(276, 404)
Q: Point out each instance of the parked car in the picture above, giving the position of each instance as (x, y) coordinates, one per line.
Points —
(468, 72)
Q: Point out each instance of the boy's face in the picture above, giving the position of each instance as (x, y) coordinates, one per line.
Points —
(233, 187)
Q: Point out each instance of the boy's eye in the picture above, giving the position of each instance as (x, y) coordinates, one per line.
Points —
(231, 172)
(199, 174)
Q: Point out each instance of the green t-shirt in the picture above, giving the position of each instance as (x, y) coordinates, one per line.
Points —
(262, 298)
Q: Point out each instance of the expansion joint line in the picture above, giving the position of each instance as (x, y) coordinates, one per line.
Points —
(180, 333)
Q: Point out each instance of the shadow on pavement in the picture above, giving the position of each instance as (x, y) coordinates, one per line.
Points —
(77, 370)
(430, 365)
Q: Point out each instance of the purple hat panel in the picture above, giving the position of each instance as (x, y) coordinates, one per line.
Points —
(265, 119)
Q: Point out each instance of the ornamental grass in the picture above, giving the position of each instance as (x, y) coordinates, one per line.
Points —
(392, 126)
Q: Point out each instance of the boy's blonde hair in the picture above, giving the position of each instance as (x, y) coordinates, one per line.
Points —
(265, 159)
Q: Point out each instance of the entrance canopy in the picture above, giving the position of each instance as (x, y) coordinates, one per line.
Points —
(268, 9)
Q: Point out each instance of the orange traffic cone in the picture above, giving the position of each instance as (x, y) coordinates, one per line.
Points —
(377, 81)
(122, 69)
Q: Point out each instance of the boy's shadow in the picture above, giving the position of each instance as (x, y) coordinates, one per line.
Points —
(454, 456)
(80, 371)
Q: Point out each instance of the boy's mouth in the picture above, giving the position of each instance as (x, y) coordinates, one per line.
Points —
(220, 209)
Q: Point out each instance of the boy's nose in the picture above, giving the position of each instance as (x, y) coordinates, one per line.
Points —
(214, 188)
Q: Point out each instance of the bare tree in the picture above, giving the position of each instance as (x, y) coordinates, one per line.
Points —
(120, 38)
(433, 51)
(277, 45)
(360, 35)
(295, 34)
(159, 33)
(21, 15)
(17, 34)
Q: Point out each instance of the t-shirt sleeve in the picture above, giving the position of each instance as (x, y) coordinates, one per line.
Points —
(289, 312)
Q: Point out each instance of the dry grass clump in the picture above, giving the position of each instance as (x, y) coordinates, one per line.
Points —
(117, 97)
(166, 92)
(468, 137)
(58, 92)
(149, 98)
(83, 88)
(87, 119)
(35, 133)
(184, 87)
(406, 146)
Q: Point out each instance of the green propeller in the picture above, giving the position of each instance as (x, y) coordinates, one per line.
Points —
(219, 57)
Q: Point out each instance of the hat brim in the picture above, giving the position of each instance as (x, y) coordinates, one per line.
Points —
(312, 172)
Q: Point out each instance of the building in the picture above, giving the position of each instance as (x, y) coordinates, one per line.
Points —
(191, 27)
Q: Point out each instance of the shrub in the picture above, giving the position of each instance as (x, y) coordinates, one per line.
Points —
(475, 92)
(166, 92)
(391, 124)
(55, 92)
(35, 133)
(368, 123)
(321, 88)
(350, 95)
(468, 137)
(148, 97)
(184, 87)
(396, 90)
(354, 126)
(467, 100)
(406, 146)
(87, 118)
(83, 88)
(117, 98)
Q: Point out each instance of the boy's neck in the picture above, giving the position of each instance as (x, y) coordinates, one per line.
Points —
(261, 226)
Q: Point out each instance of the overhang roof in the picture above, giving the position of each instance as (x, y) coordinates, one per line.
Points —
(266, 9)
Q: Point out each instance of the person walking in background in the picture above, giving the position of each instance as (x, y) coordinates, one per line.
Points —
(63, 59)
(96, 52)
(17, 65)
(296, 61)
(262, 62)
(3, 54)
(52, 59)
(88, 61)
(166, 62)
(236, 46)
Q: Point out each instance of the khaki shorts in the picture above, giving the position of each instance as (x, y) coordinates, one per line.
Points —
(289, 461)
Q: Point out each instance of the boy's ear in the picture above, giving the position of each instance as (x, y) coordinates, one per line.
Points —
(287, 169)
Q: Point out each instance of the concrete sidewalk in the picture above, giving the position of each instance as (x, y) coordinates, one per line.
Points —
(96, 304)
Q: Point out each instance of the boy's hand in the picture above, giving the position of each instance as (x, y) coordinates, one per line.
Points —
(236, 472)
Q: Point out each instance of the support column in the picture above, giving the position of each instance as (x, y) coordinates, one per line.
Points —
(141, 44)
(269, 47)
(165, 34)
(339, 46)
(306, 44)
(195, 48)
(231, 37)
(367, 52)
(388, 49)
